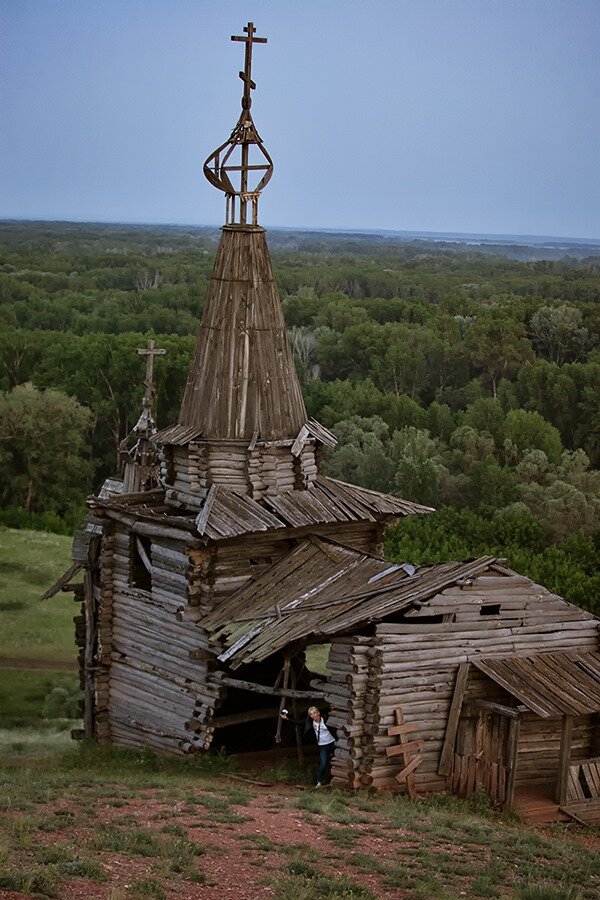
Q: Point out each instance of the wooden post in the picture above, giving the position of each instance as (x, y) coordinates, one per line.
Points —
(564, 759)
(88, 658)
(286, 675)
(297, 726)
(513, 754)
(406, 748)
(447, 754)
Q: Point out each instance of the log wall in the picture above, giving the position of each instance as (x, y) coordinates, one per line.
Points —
(413, 666)
(267, 467)
(154, 685)
(348, 695)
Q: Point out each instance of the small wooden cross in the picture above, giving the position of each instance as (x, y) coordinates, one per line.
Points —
(150, 352)
(249, 39)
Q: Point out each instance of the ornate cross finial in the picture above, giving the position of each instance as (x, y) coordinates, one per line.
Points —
(220, 163)
(149, 352)
(246, 75)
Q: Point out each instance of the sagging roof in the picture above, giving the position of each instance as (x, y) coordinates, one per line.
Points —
(549, 684)
(228, 514)
(321, 588)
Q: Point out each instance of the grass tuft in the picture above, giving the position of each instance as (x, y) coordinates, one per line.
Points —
(340, 887)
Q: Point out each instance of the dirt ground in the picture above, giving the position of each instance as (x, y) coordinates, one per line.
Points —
(228, 837)
(236, 858)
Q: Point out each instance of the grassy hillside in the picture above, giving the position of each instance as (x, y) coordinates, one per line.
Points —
(30, 629)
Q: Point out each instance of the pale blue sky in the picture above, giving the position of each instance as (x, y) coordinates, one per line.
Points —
(433, 115)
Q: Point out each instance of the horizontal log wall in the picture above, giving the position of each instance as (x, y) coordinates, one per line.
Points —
(414, 667)
(259, 469)
(104, 607)
(155, 686)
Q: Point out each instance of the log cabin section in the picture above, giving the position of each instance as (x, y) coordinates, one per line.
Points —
(414, 680)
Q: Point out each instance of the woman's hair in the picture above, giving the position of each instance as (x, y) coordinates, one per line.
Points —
(313, 709)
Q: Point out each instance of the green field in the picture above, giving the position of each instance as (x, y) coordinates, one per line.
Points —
(35, 632)
(30, 561)
(30, 695)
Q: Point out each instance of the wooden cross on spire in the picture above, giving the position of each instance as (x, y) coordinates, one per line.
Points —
(242, 180)
(149, 352)
(246, 76)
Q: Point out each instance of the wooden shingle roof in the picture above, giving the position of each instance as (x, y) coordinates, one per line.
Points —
(328, 501)
(549, 684)
(243, 380)
(319, 589)
(228, 514)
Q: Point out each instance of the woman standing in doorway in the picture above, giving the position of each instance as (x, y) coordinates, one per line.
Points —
(325, 737)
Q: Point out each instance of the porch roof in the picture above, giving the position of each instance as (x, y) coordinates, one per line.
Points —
(549, 684)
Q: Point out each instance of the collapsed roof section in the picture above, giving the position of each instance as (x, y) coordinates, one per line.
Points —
(319, 589)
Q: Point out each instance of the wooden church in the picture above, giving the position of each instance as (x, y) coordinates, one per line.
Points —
(204, 585)
(240, 486)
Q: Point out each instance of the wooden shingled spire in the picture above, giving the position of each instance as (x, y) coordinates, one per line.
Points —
(242, 383)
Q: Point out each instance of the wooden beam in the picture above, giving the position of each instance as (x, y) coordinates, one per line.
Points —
(564, 759)
(62, 582)
(447, 754)
(240, 718)
(297, 727)
(402, 749)
(499, 708)
(143, 555)
(513, 754)
(284, 680)
(272, 691)
(408, 770)
(394, 730)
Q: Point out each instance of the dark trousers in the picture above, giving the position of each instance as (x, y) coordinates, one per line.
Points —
(325, 754)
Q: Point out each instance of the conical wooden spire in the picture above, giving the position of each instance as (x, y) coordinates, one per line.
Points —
(242, 382)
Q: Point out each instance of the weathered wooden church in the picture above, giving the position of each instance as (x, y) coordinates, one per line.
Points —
(204, 586)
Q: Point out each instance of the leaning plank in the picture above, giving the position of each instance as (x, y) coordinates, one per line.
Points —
(446, 756)
(265, 689)
(63, 581)
(402, 749)
(409, 769)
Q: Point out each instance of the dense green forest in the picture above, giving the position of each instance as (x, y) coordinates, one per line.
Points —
(450, 373)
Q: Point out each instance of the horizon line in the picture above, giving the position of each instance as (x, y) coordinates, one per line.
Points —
(502, 237)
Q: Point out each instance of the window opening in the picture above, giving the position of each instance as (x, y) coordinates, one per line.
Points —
(490, 609)
(141, 562)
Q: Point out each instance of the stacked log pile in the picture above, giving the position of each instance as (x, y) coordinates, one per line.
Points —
(347, 693)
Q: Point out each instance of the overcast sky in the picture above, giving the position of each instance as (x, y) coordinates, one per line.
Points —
(474, 116)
